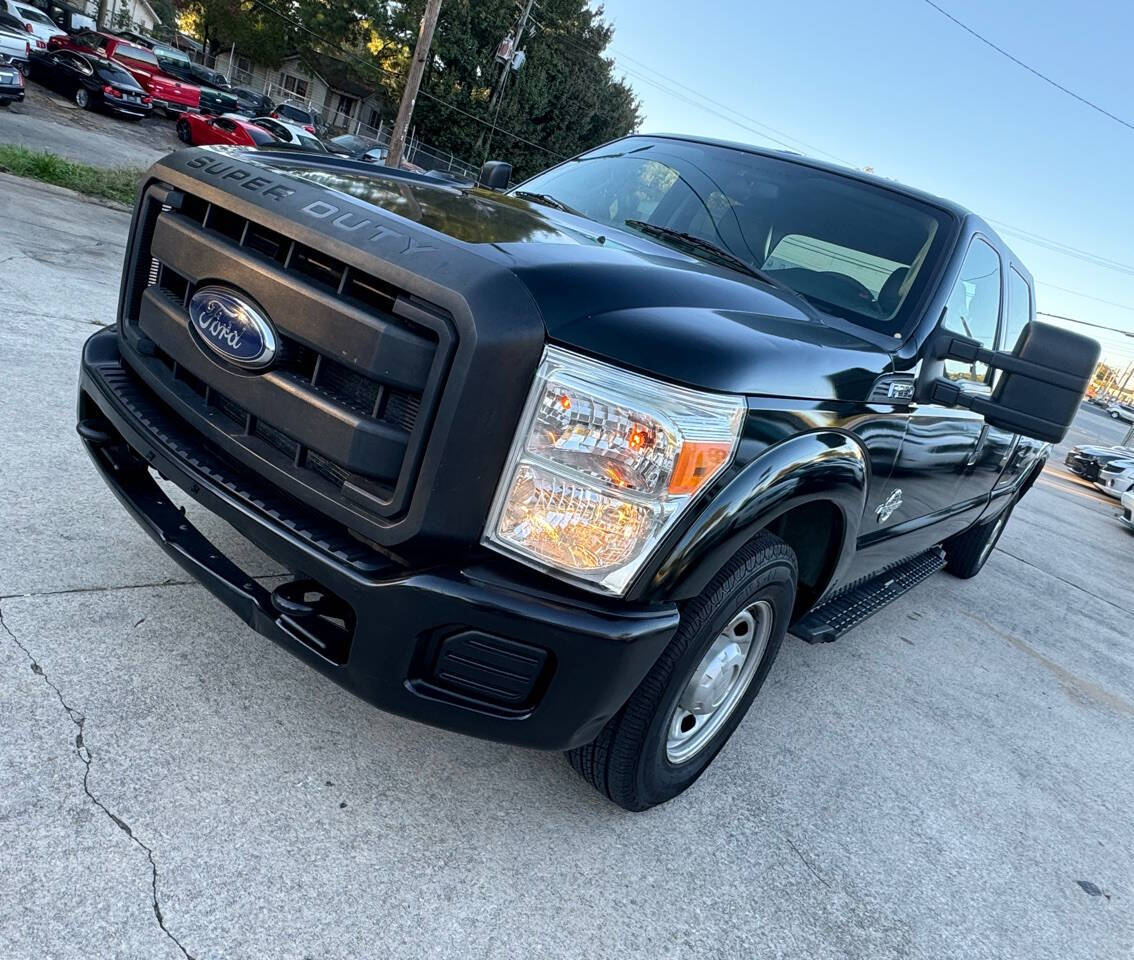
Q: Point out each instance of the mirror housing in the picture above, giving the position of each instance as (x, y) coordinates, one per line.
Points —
(1041, 384)
(495, 175)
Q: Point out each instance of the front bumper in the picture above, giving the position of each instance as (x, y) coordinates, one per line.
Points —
(407, 633)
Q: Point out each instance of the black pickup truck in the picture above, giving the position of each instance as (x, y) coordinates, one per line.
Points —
(561, 465)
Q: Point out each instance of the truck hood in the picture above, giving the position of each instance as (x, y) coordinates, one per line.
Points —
(621, 296)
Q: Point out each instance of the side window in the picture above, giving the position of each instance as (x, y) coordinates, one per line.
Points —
(1019, 310)
(974, 307)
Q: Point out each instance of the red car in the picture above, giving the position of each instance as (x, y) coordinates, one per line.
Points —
(199, 130)
(167, 92)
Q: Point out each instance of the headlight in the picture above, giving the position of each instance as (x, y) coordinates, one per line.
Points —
(602, 465)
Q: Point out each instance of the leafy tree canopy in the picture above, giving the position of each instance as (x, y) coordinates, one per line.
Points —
(564, 99)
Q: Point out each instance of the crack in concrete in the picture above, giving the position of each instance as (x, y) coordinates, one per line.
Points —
(1070, 583)
(168, 582)
(84, 754)
(807, 863)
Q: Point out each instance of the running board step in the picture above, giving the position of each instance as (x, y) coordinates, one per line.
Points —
(834, 617)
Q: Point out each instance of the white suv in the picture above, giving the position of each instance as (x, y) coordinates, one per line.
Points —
(1121, 411)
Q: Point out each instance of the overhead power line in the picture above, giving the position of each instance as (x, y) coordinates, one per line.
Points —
(1085, 323)
(1057, 246)
(1086, 296)
(1032, 70)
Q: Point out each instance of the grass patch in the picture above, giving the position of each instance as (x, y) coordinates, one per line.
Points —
(109, 183)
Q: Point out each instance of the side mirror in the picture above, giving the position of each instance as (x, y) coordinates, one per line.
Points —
(495, 175)
(1041, 385)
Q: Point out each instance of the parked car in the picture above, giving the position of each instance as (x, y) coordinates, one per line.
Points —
(16, 43)
(351, 145)
(177, 64)
(34, 21)
(1126, 517)
(291, 112)
(11, 82)
(290, 133)
(1121, 411)
(1116, 477)
(15, 49)
(250, 103)
(560, 466)
(1088, 460)
(92, 82)
(167, 92)
(138, 39)
(365, 149)
(204, 77)
(196, 129)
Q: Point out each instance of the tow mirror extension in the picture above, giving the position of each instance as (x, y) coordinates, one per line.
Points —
(1041, 385)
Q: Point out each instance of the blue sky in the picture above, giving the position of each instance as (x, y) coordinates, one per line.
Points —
(893, 85)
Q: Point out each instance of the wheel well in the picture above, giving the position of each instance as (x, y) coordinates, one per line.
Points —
(814, 531)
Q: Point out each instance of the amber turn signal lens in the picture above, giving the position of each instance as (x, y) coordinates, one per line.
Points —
(697, 462)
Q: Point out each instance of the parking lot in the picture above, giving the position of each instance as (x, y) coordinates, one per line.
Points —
(48, 121)
(950, 779)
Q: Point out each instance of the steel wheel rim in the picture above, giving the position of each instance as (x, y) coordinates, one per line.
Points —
(718, 683)
(81, 97)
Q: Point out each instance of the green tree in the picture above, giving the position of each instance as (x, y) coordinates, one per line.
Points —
(564, 99)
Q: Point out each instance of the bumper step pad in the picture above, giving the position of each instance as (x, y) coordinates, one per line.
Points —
(834, 617)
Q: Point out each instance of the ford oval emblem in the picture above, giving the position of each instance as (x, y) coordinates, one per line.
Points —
(232, 328)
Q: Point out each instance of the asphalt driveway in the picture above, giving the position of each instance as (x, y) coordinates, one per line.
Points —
(951, 779)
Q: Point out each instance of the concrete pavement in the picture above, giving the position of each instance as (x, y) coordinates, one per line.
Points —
(951, 779)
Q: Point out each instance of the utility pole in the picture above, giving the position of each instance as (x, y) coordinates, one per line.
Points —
(505, 69)
(413, 82)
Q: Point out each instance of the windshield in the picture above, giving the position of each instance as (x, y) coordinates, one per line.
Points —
(166, 55)
(35, 16)
(852, 249)
(293, 113)
(139, 54)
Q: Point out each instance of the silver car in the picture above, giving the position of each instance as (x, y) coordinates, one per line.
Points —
(1116, 477)
(1127, 515)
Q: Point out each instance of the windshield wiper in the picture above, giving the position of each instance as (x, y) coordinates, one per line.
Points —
(546, 199)
(706, 246)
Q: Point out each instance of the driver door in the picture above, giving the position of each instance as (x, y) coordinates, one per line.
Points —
(947, 466)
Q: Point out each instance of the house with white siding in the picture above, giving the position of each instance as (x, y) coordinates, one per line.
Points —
(321, 83)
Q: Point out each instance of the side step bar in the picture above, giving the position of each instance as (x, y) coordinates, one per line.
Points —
(834, 617)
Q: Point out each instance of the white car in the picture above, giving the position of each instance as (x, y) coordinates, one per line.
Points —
(1127, 515)
(1116, 477)
(37, 23)
(1121, 411)
(15, 47)
(291, 133)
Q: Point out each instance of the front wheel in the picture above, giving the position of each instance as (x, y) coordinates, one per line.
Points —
(697, 693)
(83, 98)
(183, 132)
(1113, 414)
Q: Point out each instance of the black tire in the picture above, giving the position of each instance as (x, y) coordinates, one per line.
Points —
(968, 552)
(184, 134)
(1113, 414)
(628, 760)
(83, 98)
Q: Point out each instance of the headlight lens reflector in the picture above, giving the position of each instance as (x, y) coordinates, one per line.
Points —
(603, 463)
